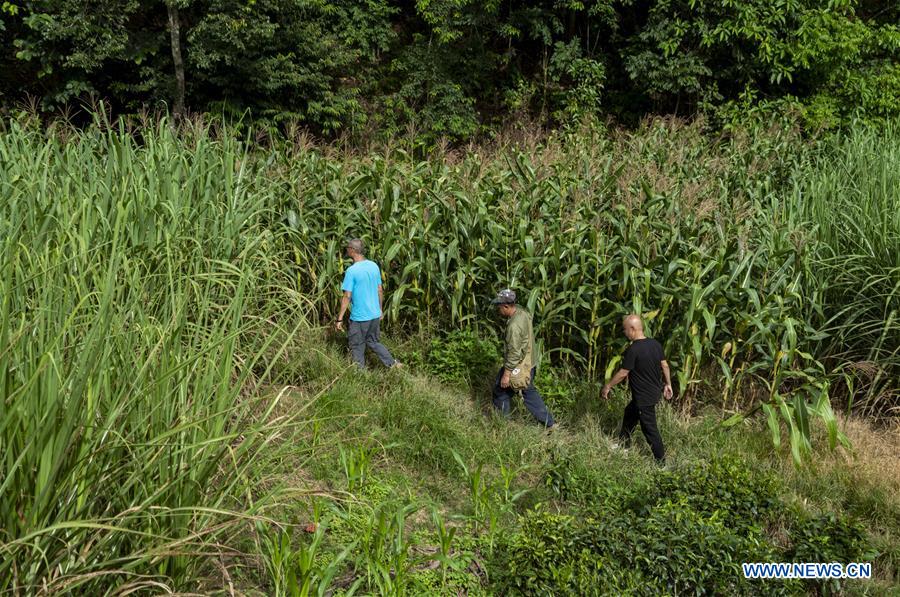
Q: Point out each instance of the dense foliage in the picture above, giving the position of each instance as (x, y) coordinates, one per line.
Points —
(687, 532)
(121, 324)
(457, 68)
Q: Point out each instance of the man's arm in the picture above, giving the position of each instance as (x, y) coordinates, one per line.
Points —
(620, 375)
(514, 351)
(516, 346)
(345, 302)
(667, 390)
(381, 300)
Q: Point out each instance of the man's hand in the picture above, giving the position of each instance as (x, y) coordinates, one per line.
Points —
(504, 380)
(339, 325)
(621, 375)
(667, 377)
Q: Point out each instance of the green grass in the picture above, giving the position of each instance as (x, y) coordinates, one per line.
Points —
(411, 428)
(849, 193)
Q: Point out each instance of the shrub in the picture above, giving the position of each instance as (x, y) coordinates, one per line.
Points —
(462, 356)
(681, 531)
(572, 480)
(673, 548)
(723, 487)
(828, 538)
(559, 390)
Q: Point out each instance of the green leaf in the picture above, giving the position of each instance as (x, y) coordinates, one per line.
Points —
(774, 426)
(733, 420)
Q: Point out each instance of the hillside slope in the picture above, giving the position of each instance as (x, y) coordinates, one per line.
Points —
(413, 487)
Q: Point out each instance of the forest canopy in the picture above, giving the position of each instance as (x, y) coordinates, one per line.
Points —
(457, 68)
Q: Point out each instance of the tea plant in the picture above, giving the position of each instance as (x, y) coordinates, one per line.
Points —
(462, 356)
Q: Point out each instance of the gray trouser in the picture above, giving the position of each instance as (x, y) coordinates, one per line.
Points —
(367, 333)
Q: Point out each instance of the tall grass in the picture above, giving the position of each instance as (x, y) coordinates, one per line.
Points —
(127, 284)
(850, 193)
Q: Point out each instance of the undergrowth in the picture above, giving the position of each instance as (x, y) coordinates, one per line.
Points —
(421, 491)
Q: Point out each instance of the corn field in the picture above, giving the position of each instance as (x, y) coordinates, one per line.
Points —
(150, 280)
(767, 266)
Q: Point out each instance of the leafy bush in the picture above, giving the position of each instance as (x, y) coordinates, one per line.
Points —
(462, 356)
(572, 480)
(686, 530)
(671, 548)
(559, 390)
(724, 487)
(828, 538)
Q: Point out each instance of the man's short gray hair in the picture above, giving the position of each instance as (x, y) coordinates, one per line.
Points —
(356, 244)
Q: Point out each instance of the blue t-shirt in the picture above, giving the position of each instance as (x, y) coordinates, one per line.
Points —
(362, 279)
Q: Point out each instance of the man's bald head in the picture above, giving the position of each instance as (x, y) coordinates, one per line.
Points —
(633, 327)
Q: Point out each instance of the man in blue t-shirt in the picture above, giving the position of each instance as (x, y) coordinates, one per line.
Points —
(364, 295)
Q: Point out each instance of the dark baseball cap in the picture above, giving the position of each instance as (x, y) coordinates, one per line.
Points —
(505, 297)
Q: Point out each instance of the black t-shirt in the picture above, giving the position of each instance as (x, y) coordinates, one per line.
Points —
(642, 360)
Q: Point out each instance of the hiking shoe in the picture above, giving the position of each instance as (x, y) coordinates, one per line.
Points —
(397, 365)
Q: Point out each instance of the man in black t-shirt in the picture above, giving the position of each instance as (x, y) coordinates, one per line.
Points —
(645, 367)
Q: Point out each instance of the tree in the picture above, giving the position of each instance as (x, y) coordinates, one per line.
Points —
(302, 58)
(177, 61)
(708, 52)
(457, 68)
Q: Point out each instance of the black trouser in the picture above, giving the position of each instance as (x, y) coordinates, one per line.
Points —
(646, 415)
(533, 401)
